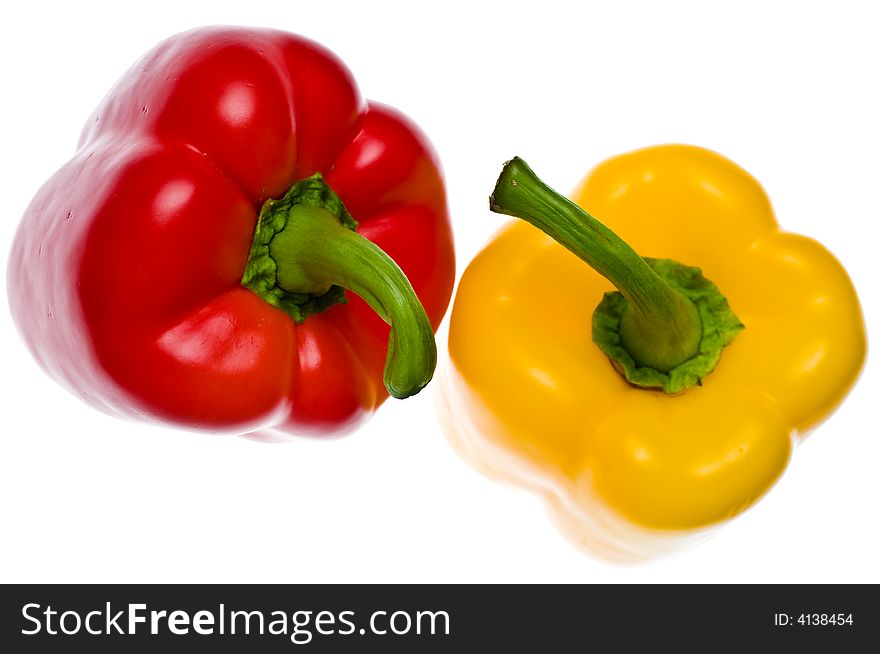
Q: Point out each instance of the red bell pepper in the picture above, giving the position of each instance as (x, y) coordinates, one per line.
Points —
(188, 263)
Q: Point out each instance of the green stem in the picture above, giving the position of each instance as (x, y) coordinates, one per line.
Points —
(660, 326)
(304, 254)
(315, 252)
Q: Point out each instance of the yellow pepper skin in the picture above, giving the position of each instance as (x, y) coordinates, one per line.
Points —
(628, 472)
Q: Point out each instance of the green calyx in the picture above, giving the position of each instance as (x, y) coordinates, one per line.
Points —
(261, 272)
(719, 326)
(666, 325)
(306, 253)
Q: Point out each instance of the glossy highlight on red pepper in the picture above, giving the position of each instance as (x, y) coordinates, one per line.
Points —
(125, 278)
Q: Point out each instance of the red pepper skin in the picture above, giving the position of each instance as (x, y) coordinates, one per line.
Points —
(124, 277)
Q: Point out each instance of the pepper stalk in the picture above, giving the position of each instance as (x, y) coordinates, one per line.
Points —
(666, 325)
(304, 254)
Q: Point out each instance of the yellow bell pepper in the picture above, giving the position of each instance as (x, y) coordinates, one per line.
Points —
(627, 468)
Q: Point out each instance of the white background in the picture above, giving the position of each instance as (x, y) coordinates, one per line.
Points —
(789, 91)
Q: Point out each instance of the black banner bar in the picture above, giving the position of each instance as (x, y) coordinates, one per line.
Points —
(434, 618)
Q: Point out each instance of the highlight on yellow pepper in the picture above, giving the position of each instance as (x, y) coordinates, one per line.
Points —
(675, 404)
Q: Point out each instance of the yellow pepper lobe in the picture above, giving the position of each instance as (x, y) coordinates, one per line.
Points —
(625, 471)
